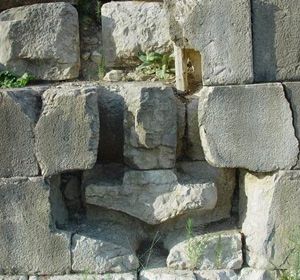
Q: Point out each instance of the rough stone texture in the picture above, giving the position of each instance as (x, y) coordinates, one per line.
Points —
(181, 123)
(230, 257)
(270, 213)
(194, 150)
(292, 90)
(18, 116)
(221, 31)
(130, 27)
(15, 277)
(150, 127)
(276, 26)
(257, 130)
(216, 275)
(255, 274)
(166, 274)
(152, 196)
(55, 55)
(98, 256)
(108, 276)
(8, 4)
(67, 132)
(29, 241)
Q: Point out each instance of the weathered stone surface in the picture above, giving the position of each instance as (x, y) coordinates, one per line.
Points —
(256, 274)
(230, 253)
(8, 4)
(276, 25)
(256, 130)
(108, 276)
(55, 55)
(99, 256)
(15, 277)
(166, 274)
(130, 27)
(114, 76)
(216, 275)
(29, 241)
(181, 123)
(194, 149)
(150, 127)
(270, 213)
(18, 116)
(152, 196)
(221, 31)
(67, 132)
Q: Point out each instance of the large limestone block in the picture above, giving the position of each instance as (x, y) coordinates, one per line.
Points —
(42, 40)
(257, 274)
(18, 116)
(166, 274)
(276, 25)
(29, 241)
(221, 250)
(152, 196)
(150, 127)
(130, 27)
(248, 127)
(270, 213)
(221, 31)
(8, 4)
(107, 276)
(99, 256)
(67, 132)
(222, 274)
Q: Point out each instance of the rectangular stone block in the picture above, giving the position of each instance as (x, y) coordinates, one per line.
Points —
(29, 240)
(247, 127)
(8, 4)
(221, 31)
(107, 276)
(129, 27)
(42, 40)
(276, 25)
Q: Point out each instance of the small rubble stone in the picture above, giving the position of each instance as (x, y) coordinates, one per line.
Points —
(114, 76)
(85, 56)
(96, 57)
(247, 127)
(67, 132)
(55, 55)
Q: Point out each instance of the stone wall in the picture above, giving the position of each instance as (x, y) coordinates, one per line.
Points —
(135, 180)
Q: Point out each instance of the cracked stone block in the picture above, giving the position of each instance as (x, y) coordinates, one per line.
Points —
(150, 127)
(29, 240)
(276, 25)
(194, 149)
(67, 132)
(54, 55)
(184, 254)
(269, 216)
(131, 27)
(107, 276)
(166, 274)
(152, 196)
(247, 127)
(18, 115)
(222, 274)
(221, 31)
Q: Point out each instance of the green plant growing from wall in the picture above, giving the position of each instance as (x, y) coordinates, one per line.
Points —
(10, 80)
(154, 63)
(195, 247)
(218, 252)
(101, 67)
(98, 11)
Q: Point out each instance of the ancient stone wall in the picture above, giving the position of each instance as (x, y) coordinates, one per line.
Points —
(138, 179)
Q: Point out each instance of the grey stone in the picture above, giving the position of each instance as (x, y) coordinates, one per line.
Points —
(256, 274)
(150, 127)
(194, 150)
(222, 274)
(276, 25)
(67, 132)
(270, 213)
(188, 255)
(96, 57)
(221, 31)
(166, 274)
(85, 56)
(152, 196)
(98, 256)
(130, 27)
(257, 130)
(8, 4)
(55, 55)
(18, 116)
(29, 241)
(114, 76)
(15, 277)
(108, 276)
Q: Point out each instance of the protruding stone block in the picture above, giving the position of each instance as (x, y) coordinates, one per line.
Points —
(29, 241)
(221, 250)
(221, 31)
(150, 127)
(276, 25)
(270, 214)
(247, 127)
(67, 132)
(130, 27)
(42, 40)
(18, 116)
